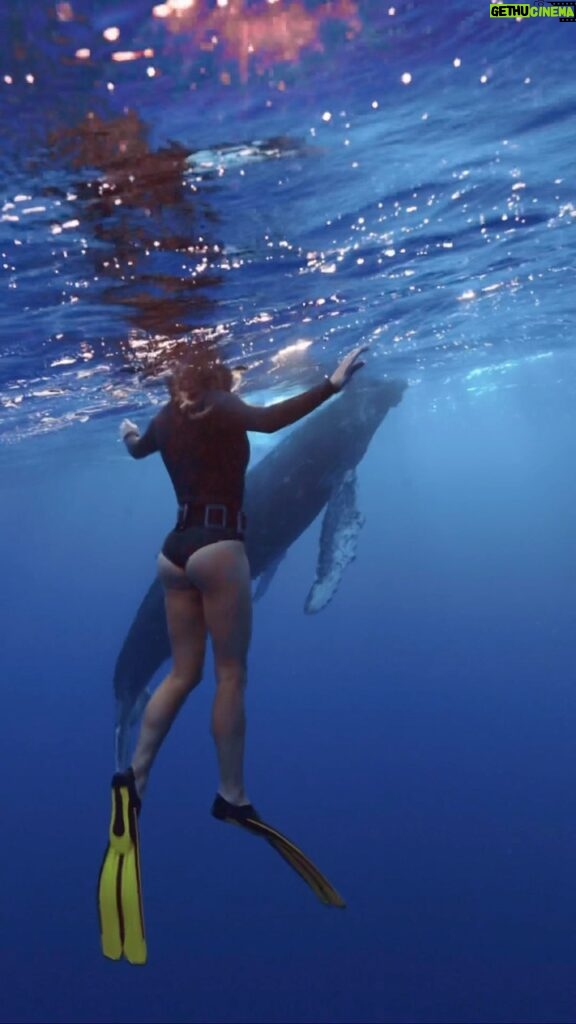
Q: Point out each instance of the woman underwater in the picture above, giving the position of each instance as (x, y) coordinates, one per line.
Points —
(201, 435)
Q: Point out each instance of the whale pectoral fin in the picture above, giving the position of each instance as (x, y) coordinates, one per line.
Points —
(126, 719)
(338, 542)
(266, 578)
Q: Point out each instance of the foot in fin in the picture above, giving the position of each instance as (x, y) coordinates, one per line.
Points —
(119, 883)
(247, 817)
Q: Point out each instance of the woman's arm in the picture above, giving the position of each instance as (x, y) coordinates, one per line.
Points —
(139, 446)
(268, 419)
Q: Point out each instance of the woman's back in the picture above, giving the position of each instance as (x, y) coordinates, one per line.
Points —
(206, 454)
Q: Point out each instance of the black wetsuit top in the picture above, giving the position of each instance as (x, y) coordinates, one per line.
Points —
(206, 454)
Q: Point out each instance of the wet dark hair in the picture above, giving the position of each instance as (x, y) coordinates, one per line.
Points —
(194, 377)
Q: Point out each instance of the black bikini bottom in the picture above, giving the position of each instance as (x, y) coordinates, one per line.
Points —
(180, 544)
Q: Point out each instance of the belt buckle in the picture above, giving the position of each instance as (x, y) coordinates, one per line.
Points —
(207, 515)
(182, 515)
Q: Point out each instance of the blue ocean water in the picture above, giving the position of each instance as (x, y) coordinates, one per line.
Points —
(282, 181)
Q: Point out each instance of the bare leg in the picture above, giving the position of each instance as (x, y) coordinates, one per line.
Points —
(187, 633)
(222, 574)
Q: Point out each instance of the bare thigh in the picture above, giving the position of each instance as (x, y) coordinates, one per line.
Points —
(185, 621)
(221, 574)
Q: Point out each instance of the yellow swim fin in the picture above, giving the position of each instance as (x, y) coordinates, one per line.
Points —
(249, 819)
(119, 884)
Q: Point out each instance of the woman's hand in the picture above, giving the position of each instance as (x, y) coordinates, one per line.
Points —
(348, 367)
(127, 427)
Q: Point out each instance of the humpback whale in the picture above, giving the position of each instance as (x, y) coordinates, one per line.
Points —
(312, 469)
